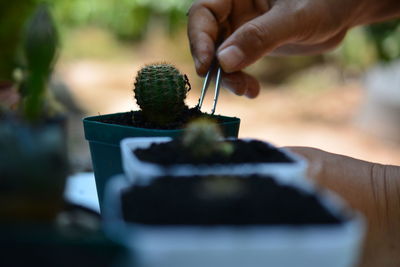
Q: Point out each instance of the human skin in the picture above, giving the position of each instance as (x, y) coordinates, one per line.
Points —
(255, 28)
(252, 29)
(371, 188)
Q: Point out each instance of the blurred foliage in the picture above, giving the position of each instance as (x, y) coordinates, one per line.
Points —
(40, 49)
(131, 20)
(364, 46)
(13, 15)
(357, 52)
(386, 38)
(127, 19)
(33, 160)
(29, 48)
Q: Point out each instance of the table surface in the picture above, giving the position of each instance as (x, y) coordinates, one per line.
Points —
(81, 189)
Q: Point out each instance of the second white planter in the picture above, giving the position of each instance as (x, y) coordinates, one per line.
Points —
(138, 171)
(330, 245)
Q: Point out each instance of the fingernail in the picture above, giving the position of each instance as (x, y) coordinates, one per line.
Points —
(199, 62)
(230, 58)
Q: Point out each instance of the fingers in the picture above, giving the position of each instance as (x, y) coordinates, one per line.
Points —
(315, 158)
(203, 29)
(241, 83)
(256, 38)
(301, 49)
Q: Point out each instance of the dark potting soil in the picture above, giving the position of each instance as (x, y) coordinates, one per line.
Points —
(222, 201)
(140, 122)
(244, 152)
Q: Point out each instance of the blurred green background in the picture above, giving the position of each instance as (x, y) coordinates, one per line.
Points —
(306, 100)
(126, 22)
(130, 20)
(126, 19)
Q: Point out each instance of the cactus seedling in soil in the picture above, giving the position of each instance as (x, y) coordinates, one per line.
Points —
(203, 138)
(160, 91)
(196, 147)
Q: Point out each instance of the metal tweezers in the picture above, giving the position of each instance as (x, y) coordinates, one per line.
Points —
(206, 84)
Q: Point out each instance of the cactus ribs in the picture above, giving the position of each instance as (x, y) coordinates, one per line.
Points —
(160, 92)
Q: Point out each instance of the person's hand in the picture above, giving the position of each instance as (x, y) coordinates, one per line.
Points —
(347, 176)
(373, 189)
(255, 28)
(262, 27)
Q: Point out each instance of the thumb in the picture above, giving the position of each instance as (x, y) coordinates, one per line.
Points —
(254, 39)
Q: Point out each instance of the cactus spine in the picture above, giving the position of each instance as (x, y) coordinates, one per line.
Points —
(160, 91)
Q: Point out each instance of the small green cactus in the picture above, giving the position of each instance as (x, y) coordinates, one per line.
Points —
(160, 91)
(40, 45)
(203, 138)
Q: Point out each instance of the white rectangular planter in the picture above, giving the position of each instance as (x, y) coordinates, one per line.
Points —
(336, 245)
(138, 171)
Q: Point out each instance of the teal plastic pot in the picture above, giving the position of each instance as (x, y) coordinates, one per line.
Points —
(104, 142)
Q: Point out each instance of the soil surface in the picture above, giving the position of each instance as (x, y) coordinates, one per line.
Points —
(136, 119)
(244, 152)
(222, 201)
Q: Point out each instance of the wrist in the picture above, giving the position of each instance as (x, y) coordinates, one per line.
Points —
(384, 212)
(383, 215)
(352, 180)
